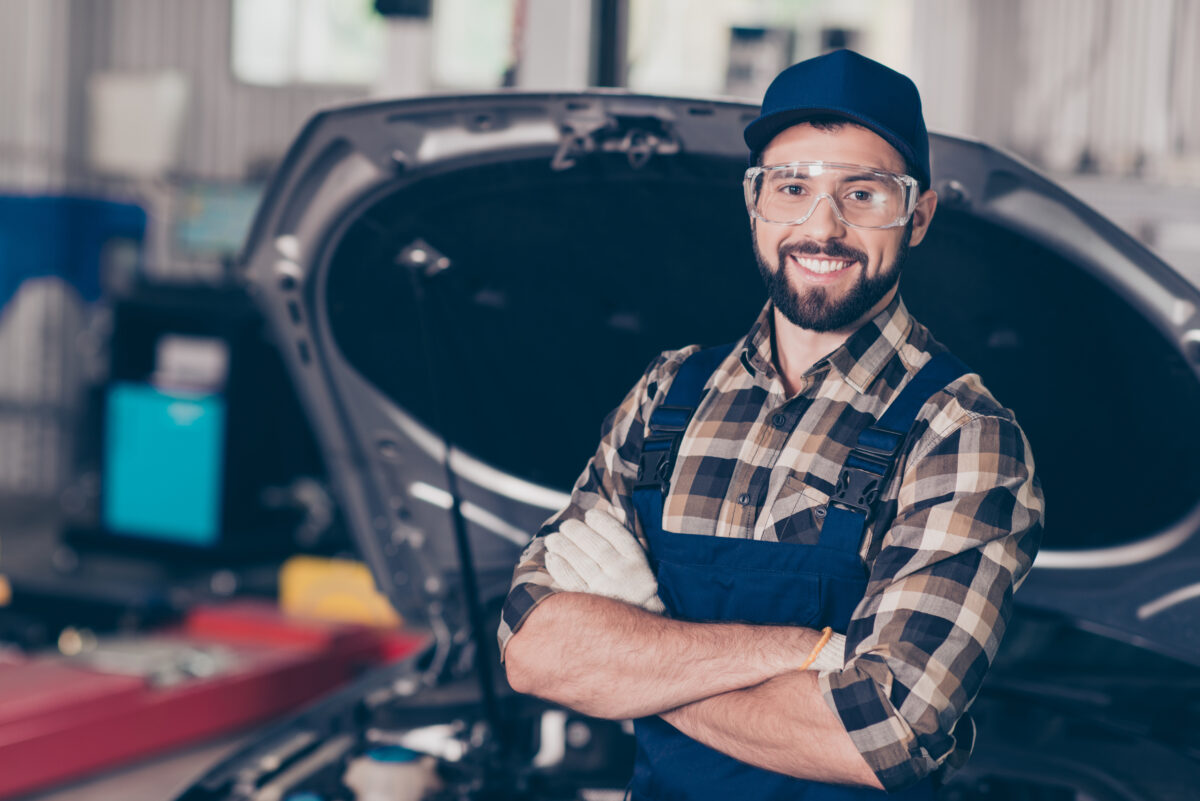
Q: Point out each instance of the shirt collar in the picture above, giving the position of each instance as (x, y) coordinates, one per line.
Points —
(863, 356)
(859, 359)
(757, 356)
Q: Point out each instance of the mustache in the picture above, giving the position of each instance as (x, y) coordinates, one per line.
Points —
(833, 249)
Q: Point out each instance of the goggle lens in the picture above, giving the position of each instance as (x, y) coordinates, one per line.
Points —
(861, 197)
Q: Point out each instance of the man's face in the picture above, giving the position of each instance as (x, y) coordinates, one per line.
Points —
(824, 275)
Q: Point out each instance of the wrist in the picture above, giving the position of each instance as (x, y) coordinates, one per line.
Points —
(828, 652)
(826, 634)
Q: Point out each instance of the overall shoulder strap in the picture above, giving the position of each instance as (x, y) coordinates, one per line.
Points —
(667, 423)
(874, 456)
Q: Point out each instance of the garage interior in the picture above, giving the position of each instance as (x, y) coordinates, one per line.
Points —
(178, 576)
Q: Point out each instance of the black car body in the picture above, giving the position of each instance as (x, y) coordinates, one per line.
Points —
(463, 287)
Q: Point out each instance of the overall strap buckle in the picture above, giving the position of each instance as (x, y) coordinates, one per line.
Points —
(656, 462)
(872, 460)
(670, 420)
(857, 490)
(867, 470)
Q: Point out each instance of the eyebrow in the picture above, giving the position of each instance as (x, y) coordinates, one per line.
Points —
(861, 176)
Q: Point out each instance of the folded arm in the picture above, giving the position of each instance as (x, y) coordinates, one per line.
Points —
(782, 725)
(609, 659)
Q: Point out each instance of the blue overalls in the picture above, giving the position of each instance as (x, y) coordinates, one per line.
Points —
(707, 578)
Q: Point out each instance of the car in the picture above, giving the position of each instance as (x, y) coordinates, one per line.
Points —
(463, 286)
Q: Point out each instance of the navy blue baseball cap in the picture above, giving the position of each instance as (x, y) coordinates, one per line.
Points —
(846, 84)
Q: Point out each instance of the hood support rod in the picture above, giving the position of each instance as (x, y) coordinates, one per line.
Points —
(419, 270)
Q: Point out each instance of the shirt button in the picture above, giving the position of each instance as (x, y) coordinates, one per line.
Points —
(744, 499)
(819, 511)
(779, 420)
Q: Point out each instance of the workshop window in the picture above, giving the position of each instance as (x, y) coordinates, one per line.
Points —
(474, 43)
(284, 42)
(735, 47)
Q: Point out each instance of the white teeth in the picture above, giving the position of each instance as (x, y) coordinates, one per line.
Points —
(821, 265)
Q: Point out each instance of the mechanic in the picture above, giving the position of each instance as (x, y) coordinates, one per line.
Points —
(837, 511)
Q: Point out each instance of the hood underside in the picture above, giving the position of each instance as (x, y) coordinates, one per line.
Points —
(464, 287)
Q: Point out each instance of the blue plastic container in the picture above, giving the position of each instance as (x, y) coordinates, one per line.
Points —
(66, 237)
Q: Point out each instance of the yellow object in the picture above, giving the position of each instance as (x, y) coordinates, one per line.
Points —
(5, 591)
(826, 633)
(333, 589)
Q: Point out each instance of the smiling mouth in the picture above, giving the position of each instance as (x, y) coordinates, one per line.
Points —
(821, 266)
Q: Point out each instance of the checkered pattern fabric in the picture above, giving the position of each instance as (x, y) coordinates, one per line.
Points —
(954, 534)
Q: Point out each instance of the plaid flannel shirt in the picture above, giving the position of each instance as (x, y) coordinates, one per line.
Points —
(954, 532)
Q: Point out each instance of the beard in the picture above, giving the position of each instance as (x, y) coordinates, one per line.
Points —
(815, 309)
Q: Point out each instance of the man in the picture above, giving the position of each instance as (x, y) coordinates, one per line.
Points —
(836, 510)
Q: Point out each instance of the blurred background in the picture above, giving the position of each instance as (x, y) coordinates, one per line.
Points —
(174, 112)
(136, 137)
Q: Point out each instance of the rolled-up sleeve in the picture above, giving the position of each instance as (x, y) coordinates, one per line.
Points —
(605, 482)
(968, 524)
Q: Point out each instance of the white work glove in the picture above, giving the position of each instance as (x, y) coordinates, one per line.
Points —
(832, 656)
(600, 556)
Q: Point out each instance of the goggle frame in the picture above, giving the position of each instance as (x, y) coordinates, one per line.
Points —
(911, 188)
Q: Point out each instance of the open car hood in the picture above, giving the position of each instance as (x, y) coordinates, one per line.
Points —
(463, 287)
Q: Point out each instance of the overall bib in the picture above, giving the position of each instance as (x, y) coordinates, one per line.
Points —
(707, 578)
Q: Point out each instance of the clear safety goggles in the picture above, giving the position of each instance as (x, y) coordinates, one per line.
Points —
(861, 197)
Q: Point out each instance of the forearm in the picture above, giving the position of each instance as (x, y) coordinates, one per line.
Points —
(612, 660)
(783, 725)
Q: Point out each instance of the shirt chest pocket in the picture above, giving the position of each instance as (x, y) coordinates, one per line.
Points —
(797, 514)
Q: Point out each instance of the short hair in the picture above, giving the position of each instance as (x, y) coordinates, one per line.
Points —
(832, 122)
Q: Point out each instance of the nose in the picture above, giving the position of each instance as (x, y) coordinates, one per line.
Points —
(823, 221)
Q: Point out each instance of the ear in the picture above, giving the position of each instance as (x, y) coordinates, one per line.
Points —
(923, 215)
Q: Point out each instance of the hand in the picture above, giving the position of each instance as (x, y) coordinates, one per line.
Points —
(600, 556)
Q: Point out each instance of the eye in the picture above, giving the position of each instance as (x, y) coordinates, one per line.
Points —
(792, 190)
(864, 195)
